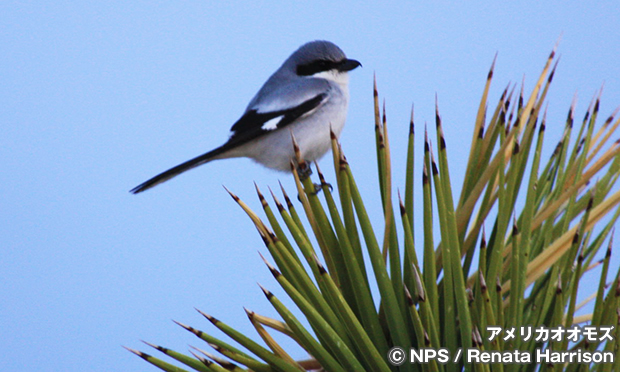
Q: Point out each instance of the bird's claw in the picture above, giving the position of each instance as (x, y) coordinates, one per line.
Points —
(318, 187)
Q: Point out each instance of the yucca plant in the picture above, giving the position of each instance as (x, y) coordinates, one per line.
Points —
(471, 295)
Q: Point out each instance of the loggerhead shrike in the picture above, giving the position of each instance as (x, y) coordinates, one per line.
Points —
(307, 96)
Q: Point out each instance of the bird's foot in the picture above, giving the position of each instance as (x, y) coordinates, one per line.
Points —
(318, 187)
(304, 171)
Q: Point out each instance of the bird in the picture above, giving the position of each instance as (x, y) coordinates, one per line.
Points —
(306, 98)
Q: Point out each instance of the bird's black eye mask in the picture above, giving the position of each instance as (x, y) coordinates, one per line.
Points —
(314, 67)
(321, 65)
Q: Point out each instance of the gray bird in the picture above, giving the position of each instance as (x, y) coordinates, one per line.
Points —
(307, 96)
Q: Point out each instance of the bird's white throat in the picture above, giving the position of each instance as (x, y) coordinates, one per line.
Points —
(338, 77)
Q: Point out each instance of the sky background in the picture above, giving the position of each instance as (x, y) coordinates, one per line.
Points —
(97, 97)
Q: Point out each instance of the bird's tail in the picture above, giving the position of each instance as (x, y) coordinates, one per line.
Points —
(173, 172)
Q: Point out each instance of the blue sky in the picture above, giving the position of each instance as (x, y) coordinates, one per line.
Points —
(96, 97)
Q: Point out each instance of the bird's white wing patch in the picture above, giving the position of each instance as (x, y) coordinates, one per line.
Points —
(272, 124)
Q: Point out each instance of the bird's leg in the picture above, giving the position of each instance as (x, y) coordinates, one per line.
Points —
(304, 170)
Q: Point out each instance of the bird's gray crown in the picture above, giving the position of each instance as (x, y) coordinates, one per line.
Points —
(317, 50)
(319, 56)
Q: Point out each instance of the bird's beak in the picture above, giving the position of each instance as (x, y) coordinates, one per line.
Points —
(348, 65)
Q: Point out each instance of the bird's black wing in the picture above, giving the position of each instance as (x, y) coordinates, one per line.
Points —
(254, 124)
(250, 126)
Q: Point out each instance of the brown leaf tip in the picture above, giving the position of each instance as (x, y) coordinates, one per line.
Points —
(384, 117)
(142, 355)
(279, 206)
(203, 360)
(218, 347)
(576, 238)
(475, 341)
(410, 301)
(411, 124)
(504, 93)
(289, 204)
(273, 236)
(181, 324)
(235, 197)
(261, 198)
(375, 92)
(188, 328)
(427, 340)
(249, 312)
(320, 266)
(483, 283)
(434, 168)
(550, 79)
(267, 293)
(608, 121)
(321, 177)
(265, 238)
(342, 162)
(271, 268)
(159, 348)
(597, 105)
(275, 199)
(274, 271)
(209, 317)
(470, 295)
(586, 116)
(295, 144)
(479, 336)
(421, 294)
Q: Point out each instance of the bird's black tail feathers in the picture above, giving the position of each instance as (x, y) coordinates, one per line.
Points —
(173, 172)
